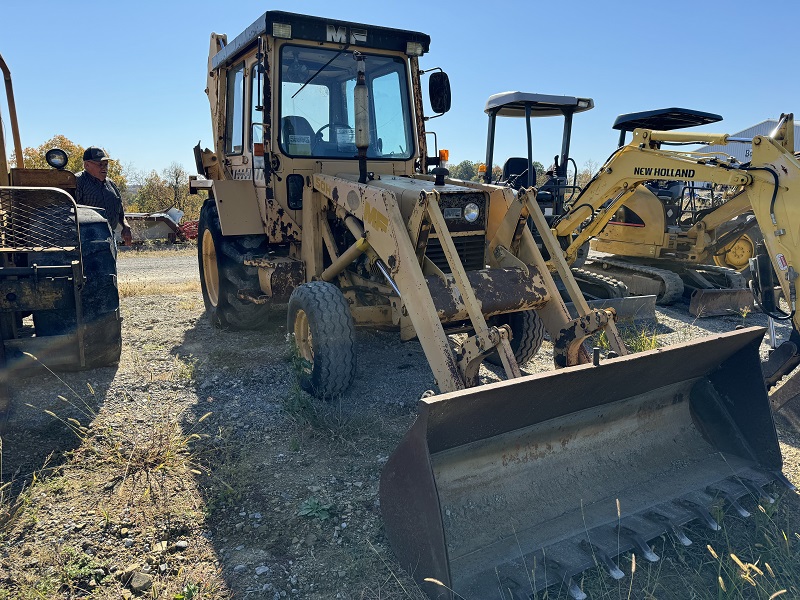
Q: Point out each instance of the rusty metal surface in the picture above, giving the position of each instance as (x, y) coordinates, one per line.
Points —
(490, 478)
(498, 291)
(714, 303)
(567, 346)
(27, 295)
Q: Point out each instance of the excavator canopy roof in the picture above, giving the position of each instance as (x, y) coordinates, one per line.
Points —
(664, 119)
(304, 27)
(512, 104)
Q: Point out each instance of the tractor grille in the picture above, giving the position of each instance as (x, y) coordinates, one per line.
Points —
(470, 250)
(37, 220)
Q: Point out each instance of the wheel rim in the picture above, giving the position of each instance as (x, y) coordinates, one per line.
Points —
(304, 341)
(210, 269)
(737, 254)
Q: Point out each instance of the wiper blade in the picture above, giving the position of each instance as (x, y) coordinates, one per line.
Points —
(320, 70)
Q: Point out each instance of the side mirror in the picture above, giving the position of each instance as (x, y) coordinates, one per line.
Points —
(439, 92)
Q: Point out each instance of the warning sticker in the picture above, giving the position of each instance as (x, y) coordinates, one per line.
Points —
(300, 144)
(781, 260)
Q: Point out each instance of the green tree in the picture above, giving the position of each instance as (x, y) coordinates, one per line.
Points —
(34, 159)
(464, 170)
(154, 194)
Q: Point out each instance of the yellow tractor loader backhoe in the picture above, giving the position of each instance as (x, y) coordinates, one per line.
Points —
(321, 204)
(57, 265)
(666, 236)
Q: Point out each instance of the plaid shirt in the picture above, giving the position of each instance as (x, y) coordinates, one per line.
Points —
(100, 194)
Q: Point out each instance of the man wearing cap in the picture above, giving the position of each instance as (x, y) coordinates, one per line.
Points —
(95, 189)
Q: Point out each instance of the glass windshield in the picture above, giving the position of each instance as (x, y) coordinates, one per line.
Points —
(317, 111)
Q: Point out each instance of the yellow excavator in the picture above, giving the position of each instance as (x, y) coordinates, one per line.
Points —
(665, 236)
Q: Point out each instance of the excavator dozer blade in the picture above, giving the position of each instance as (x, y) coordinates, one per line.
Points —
(505, 489)
(716, 303)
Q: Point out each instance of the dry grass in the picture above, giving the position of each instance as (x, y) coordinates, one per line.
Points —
(155, 251)
(145, 287)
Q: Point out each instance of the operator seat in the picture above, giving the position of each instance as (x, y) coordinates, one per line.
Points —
(515, 172)
(296, 125)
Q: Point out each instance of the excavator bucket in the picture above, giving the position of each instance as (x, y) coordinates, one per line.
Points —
(502, 490)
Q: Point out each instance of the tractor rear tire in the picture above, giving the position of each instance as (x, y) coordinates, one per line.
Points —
(99, 296)
(323, 334)
(527, 331)
(222, 275)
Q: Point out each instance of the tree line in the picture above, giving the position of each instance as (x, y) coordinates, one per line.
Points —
(468, 170)
(141, 191)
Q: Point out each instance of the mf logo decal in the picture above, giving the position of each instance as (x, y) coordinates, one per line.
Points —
(338, 35)
(375, 218)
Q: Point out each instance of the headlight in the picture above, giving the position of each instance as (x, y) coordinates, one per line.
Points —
(472, 212)
(56, 158)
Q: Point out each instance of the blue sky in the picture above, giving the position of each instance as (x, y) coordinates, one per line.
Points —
(130, 76)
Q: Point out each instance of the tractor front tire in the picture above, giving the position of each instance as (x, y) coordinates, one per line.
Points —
(221, 276)
(527, 331)
(323, 334)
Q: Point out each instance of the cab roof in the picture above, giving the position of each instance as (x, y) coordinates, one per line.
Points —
(512, 104)
(664, 119)
(320, 29)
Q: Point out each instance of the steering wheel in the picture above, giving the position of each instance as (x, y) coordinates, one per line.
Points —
(318, 134)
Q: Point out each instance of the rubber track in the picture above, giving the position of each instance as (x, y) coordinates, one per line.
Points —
(614, 287)
(671, 282)
(333, 336)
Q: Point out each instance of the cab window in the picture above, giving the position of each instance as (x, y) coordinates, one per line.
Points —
(317, 117)
(234, 107)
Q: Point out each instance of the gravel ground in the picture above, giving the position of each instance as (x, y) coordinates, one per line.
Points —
(197, 468)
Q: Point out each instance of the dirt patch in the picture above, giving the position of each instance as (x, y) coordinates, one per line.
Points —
(199, 469)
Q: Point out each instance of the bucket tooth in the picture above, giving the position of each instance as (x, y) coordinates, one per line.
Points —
(639, 541)
(574, 591)
(701, 512)
(782, 478)
(756, 490)
(730, 498)
(670, 525)
(600, 556)
(509, 585)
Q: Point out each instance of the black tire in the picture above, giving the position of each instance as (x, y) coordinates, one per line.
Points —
(323, 334)
(527, 332)
(223, 274)
(99, 296)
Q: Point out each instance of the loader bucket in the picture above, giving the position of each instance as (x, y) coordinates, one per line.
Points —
(505, 489)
